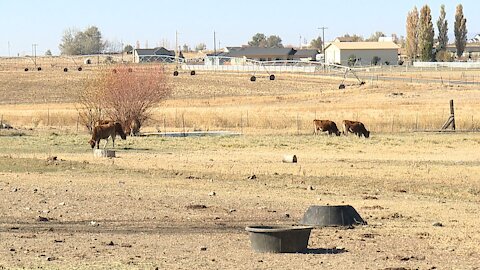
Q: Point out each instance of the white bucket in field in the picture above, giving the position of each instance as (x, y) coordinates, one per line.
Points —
(290, 158)
(103, 153)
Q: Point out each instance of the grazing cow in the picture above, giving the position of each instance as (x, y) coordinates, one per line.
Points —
(325, 126)
(104, 131)
(133, 127)
(358, 128)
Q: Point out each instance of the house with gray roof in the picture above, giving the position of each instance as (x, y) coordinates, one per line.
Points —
(159, 54)
(262, 54)
(306, 54)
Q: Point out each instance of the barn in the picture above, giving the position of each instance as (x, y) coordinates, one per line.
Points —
(365, 52)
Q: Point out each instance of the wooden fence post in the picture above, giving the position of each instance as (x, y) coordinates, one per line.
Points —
(451, 120)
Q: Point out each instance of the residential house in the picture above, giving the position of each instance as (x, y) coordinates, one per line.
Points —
(240, 55)
(472, 50)
(159, 54)
(364, 53)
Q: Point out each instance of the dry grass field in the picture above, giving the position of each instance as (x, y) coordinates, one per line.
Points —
(153, 206)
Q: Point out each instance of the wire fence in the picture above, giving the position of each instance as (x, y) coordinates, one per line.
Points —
(249, 121)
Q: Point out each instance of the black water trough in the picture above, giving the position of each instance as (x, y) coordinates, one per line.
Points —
(279, 239)
(331, 215)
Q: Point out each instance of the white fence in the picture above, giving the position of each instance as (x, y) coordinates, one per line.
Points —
(251, 68)
(465, 65)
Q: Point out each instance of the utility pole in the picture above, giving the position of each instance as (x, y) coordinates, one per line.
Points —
(214, 44)
(121, 49)
(323, 39)
(34, 53)
(176, 46)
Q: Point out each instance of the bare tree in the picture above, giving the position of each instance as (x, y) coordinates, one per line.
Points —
(122, 94)
(412, 34)
(352, 38)
(460, 29)
(200, 47)
(375, 36)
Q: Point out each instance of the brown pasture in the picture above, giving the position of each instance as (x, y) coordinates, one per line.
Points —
(153, 205)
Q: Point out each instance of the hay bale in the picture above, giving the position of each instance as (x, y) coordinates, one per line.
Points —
(103, 153)
(289, 159)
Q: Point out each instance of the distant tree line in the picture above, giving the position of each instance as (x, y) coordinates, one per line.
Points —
(89, 41)
(421, 34)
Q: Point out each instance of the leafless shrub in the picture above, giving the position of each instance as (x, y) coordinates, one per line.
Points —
(122, 93)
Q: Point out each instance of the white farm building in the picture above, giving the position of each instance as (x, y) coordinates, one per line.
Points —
(364, 52)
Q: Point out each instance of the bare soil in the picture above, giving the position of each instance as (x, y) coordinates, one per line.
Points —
(153, 206)
(184, 203)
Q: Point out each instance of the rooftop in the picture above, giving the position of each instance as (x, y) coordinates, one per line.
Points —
(364, 45)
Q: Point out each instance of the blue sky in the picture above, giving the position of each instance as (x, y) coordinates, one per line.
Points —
(27, 22)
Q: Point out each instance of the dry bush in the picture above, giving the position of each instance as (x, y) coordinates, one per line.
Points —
(122, 93)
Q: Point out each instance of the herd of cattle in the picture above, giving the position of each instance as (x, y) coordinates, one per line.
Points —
(355, 127)
(105, 129)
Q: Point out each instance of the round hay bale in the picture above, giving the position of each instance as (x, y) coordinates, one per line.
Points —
(192, 72)
(39, 68)
(103, 153)
(65, 70)
(79, 68)
(253, 78)
(341, 86)
(26, 69)
(289, 159)
(87, 61)
(175, 73)
(272, 77)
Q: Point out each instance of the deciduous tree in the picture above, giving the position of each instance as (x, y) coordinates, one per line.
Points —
(375, 36)
(76, 42)
(122, 93)
(274, 42)
(425, 34)
(317, 43)
(258, 40)
(442, 26)
(460, 29)
(200, 47)
(412, 34)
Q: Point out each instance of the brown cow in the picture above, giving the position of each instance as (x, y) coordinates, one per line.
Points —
(132, 127)
(105, 131)
(325, 126)
(358, 128)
